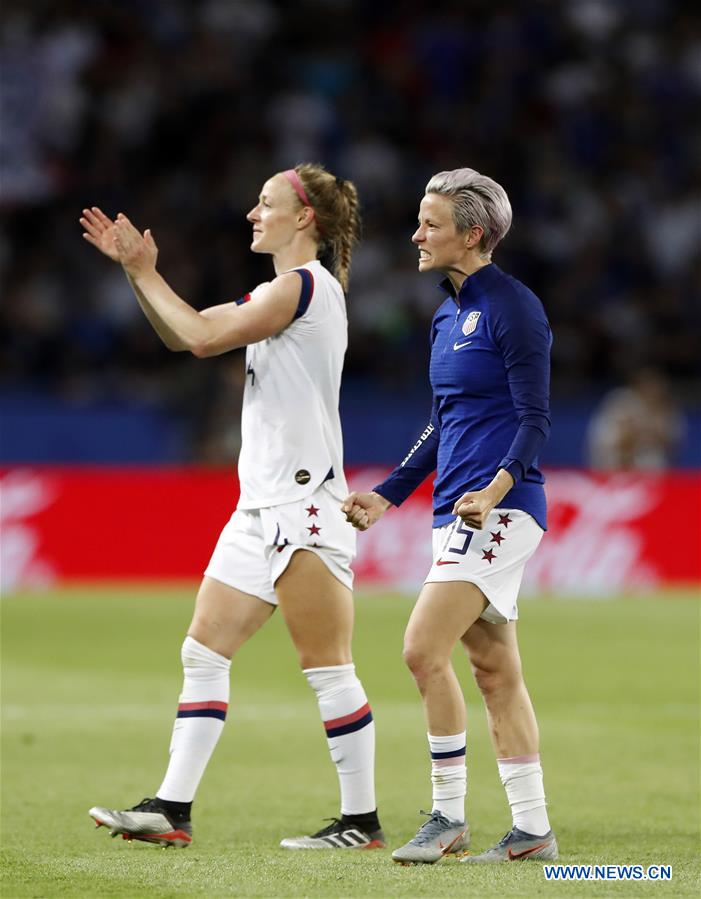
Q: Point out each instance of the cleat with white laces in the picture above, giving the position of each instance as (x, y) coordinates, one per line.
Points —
(148, 821)
(437, 837)
(517, 845)
(338, 835)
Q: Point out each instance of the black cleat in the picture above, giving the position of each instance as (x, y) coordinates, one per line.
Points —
(148, 821)
(338, 835)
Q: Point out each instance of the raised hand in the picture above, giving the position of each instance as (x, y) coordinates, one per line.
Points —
(120, 241)
(99, 230)
(137, 252)
(362, 510)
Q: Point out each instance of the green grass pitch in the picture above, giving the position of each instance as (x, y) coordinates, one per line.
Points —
(90, 683)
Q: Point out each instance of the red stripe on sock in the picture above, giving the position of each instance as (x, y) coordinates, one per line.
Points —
(348, 719)
(449, 763)
(191, 706)
(520, 759)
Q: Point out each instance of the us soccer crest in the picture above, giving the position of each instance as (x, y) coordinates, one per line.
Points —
(470, 323)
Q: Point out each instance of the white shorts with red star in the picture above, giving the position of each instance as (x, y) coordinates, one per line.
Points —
(493, 559)
(256, 545)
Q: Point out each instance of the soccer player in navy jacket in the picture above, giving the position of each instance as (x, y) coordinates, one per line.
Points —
(490, 371)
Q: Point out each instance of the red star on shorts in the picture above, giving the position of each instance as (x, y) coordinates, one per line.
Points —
(505, 520)
(314, 530)
(496, 537)
(311, 510)
(488, 555)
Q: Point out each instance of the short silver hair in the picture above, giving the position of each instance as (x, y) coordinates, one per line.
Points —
(477, 200)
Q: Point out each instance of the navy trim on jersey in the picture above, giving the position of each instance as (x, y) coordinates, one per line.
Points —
(307, 293)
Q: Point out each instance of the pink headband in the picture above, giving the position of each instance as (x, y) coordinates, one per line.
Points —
(296, 183)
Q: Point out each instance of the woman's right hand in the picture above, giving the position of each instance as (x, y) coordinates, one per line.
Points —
(362, 510)
(100, 232)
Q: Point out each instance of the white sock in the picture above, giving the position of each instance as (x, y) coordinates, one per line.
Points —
(522, 777)
(350, 731)
(449, 775)
(199, 722)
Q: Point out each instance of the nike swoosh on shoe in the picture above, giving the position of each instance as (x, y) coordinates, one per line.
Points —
(515, 855)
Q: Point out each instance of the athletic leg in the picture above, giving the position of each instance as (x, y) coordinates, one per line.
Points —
(318, 611)
(224, 619)
(496, 665)
(443, 612)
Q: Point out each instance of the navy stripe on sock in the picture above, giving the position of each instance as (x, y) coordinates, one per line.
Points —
(453, 754)
(350, 728)
(202, 713)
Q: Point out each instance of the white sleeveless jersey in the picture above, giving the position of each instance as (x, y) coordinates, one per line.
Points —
(291, 438)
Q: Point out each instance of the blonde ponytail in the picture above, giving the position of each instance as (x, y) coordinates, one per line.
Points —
(336, 209)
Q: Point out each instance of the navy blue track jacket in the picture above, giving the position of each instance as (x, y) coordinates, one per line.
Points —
(490, 374)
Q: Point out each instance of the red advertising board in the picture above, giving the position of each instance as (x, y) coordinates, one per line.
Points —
(608, 533)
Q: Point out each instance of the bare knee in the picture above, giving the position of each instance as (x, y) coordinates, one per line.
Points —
(422, 661)
(497, 682)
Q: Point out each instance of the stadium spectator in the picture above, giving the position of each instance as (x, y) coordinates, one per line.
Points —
(287, 543)
(490, 374)
(636, 427)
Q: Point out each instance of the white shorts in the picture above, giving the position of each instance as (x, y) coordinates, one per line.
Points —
(256, 545)
(493, 559)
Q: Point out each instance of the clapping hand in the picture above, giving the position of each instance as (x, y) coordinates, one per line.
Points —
(100, 232)
(120, 241)
(137, 252)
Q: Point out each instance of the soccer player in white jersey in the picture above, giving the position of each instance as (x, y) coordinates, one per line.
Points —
(490, 375)
(287, 543)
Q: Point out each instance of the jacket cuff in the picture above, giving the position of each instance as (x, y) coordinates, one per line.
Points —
(514, 467)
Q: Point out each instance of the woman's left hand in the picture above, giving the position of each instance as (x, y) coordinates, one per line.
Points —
(137, 252)
(474, 507)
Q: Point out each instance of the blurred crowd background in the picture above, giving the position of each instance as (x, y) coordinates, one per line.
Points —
(175, 113)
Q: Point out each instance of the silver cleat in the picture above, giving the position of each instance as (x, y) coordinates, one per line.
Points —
(436, 838)
(516, 846)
